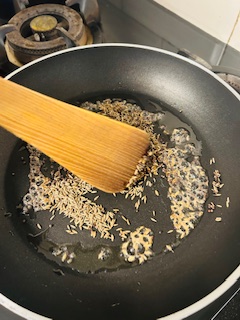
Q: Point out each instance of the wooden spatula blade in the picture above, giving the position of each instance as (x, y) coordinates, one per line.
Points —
(102, 151)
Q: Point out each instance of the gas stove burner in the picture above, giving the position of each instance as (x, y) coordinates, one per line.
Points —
(46, 28)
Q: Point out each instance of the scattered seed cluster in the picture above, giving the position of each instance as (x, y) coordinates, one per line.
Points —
(64, 253)
(188, 182)
(217, 183)
(38, 193)
(216, 189)
(133, 115)
(67, 194)
(138, 246)
(104, 253)
(211, 207)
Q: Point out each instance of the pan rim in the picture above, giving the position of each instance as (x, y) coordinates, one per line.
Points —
(130, 45)
(181, 314)
(200, 304)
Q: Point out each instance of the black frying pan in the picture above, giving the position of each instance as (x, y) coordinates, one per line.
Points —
(169, 282)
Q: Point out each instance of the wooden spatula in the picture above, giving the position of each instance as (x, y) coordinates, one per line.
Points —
(102, 151)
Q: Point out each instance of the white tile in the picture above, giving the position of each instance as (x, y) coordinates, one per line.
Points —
(234, 40)
(216, 17)
(175, 30)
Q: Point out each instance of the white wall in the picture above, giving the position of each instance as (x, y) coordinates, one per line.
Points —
(219, 18)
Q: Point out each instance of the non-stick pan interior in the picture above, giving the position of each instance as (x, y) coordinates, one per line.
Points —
(168, 282)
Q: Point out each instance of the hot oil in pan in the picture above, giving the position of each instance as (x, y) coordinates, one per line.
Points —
(56, 238)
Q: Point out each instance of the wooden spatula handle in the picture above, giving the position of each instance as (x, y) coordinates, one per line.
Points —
(84, 142)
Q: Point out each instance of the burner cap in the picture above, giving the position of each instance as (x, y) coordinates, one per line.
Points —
(43, 23)
(43, 29)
